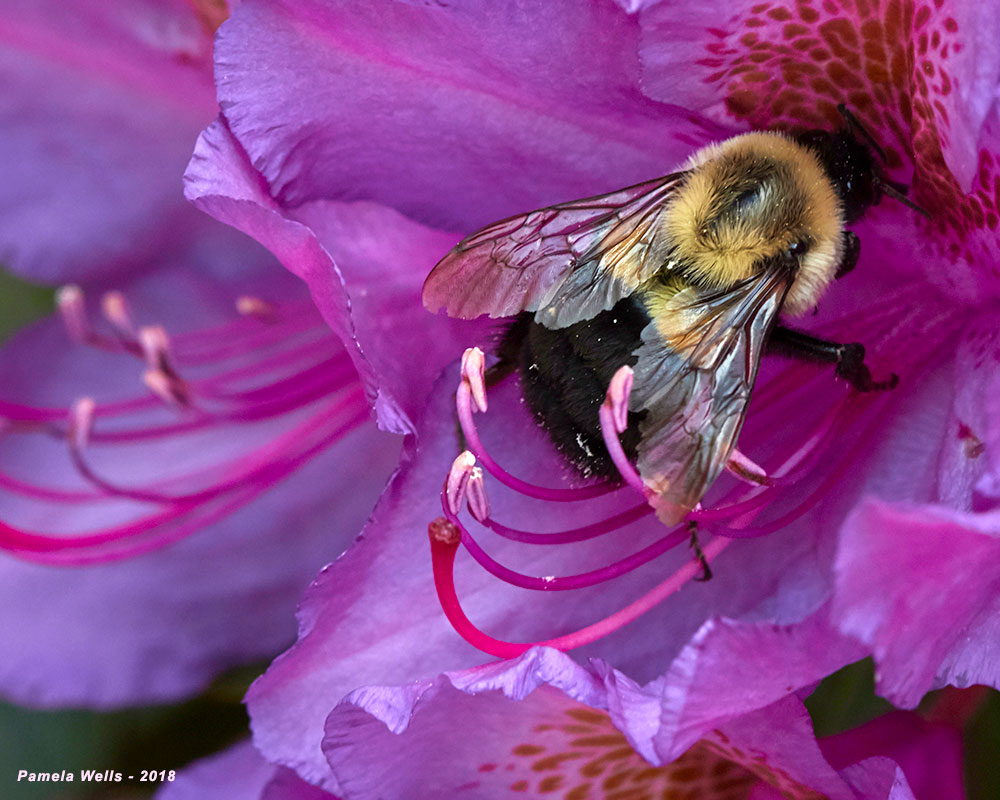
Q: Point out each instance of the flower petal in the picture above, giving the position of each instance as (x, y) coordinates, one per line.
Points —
(771, 63)
(772, 660)
(94, 135)
(364, 265)
(520, 726)
(929, 754)
(239, 773)
(158, 628)
(456, 116)
(970, 457)
(931, 619)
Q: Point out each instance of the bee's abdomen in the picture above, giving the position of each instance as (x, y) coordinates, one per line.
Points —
(565, 374)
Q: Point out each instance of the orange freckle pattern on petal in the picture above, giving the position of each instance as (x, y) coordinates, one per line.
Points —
(787, 65)
(580, 755)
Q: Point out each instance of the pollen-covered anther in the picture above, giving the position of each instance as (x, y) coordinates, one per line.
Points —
(250, 306)
(475, 495)
(72, 308)
(115, 310)
(457, 482)
(442, 531)
(473, 374)
(171, 389)
(81, 422)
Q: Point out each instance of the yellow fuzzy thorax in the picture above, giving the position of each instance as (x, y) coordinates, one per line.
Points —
(746, 200)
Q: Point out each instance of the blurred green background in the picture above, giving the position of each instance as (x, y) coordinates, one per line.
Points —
(169, 737)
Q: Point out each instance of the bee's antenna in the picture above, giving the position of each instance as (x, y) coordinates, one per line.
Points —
(895, 190)
(852, 122)
(898, 192)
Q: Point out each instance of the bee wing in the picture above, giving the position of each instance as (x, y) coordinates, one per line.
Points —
(696, 366)
(566, 263)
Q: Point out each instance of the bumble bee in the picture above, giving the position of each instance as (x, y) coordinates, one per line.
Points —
(683, 278)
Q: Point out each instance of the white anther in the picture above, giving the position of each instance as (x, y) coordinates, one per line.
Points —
(458, 479)
(115, 310)
(475, 496)
(156, 348)
(617, 397)
(747, 470)
(72, 308)
(250, 306)
(81, 422)
(167, 387)
(473, 372)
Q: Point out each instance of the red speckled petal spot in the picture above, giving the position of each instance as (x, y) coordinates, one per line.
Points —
(920, 75)
(583, 757)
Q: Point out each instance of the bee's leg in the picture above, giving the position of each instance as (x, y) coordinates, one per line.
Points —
(852, 249)
(849, 358)
(706, 572)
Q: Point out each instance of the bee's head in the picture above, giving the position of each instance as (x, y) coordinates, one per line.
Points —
(856, 166)
(856, 174)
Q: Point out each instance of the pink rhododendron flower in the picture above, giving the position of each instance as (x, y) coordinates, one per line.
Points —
(507, 729)
(190, 395)
(395, 122)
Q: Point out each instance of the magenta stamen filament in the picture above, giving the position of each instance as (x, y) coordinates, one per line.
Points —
(732, 517)
(279, 368)
(443, 549)
(565, 582)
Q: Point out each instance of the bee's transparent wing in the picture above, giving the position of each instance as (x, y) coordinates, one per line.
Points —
(695, 369)
(566, 263)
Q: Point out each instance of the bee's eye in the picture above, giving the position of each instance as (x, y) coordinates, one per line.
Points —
(797, 249)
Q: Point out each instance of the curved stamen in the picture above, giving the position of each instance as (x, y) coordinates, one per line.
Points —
(581, 534)
(155, 531)
(457, 480)
(251, 467)
(70, 302)
(565, 582)
(478, 501)
(613, 416)
(445, 538)
(464, 401)
(278, 373)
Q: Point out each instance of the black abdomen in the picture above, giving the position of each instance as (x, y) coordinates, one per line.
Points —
(565, 374)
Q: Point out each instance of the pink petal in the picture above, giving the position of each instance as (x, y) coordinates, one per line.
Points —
(771, 660)
(922, 78)
(363, 264)
(521, 726)
(929, 754)
(454, 116)
(970, 456)
(769, 64)
(102, 104)
(932, 618)
(239, 773)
